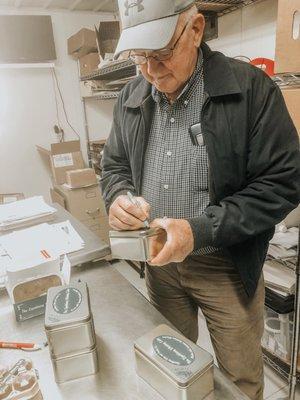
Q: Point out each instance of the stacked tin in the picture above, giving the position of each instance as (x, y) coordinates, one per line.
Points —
(70, 331)
(140, 245)
(174, 366)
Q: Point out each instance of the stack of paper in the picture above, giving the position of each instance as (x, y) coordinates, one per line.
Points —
(279, 268)
(38, 243)
(287, 239)
(26, 212)
(278, 276)
(281, 253)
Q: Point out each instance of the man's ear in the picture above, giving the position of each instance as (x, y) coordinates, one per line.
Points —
(198, 25)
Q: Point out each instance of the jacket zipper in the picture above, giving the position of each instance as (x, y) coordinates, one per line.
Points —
(143, 152)
(210, 189)
(142, 264)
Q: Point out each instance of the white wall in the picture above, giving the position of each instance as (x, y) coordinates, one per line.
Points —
(249, 31)
(28, 112)
(27, 107)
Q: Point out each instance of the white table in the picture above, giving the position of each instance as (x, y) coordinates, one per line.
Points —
(121, 315)
(94, 248)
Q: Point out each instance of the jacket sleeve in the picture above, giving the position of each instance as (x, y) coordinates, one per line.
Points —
(116, 172)
(273, 176)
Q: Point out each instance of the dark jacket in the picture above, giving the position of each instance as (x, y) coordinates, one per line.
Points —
(253, 151)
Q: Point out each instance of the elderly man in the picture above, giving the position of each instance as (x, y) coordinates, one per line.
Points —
(206, 142)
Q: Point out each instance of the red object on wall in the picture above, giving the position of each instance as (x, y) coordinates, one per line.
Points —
(265, 64)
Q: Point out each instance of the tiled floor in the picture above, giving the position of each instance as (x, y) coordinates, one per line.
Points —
(275, 387)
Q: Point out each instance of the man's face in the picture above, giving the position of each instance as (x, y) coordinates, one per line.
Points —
(170, 76)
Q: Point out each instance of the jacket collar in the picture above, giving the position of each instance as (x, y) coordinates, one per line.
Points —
(219, 79)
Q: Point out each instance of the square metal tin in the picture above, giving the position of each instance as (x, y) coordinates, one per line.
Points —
(76, 365)
(173, 365)
(67, 305)
(140, 245)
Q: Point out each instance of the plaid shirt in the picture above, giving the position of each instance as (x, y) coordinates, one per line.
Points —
(175, 174)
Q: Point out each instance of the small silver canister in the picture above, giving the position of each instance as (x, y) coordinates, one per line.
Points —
(68, 320)
(76, 365)
(141, 245)
(70, 331)
(174, 366)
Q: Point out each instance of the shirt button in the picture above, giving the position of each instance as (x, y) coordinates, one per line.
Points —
(166, 187)
(172, 120)
(169, 153)
(186, 103)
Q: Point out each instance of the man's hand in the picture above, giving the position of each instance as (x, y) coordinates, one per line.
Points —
(179, 244)
(125, 216)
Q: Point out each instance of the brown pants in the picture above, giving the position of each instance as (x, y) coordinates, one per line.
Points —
(235, 322)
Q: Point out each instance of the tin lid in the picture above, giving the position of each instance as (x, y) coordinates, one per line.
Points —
(141, 233)
(88, 350)
(175, 355)
(67, 305)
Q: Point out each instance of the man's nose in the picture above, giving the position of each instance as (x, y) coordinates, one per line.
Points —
(152, 65)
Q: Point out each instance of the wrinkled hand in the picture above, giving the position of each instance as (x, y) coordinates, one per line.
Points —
(125, 216)
(179, 244)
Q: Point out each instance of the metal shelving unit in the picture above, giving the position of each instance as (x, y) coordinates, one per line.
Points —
(116, 71)
(287, 80)
(103, 96)
(286, 370)
(222, 7)
(113, 72)
(280, 366)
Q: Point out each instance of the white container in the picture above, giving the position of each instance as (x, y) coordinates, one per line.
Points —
(27, 284)
(174, 366)
(277, 337)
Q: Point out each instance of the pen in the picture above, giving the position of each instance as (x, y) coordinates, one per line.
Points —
(21, 346)
(135, 202)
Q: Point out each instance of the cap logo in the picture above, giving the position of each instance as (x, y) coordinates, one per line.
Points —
(133, 3)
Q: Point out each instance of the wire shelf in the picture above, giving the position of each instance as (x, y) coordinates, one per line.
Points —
(277, 364)
(103, 96)
(118, 70)
(287, 80)
(222, 7)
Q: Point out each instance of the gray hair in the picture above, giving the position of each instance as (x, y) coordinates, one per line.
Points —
(188, 14)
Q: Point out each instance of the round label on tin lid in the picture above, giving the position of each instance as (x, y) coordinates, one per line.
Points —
(173, 350)
(67, 300)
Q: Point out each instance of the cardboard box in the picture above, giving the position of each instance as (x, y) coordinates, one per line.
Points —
(65, 156)
(108, 36)
(82, 43)
(45, 155)
(99, 226)
(11, 197)
(287, 55)
(57, 198)
(83, 203)
(89, 63)
(87, 205)
(81, 178)
(292, 100)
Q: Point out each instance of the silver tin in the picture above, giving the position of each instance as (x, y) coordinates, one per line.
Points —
(75, 366)
(174, 366)
(141, 245)
(68, 320)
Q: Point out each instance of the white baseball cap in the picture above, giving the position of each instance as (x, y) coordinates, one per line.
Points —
(148, 24)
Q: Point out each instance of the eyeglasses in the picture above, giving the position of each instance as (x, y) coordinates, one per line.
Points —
(160, 55)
